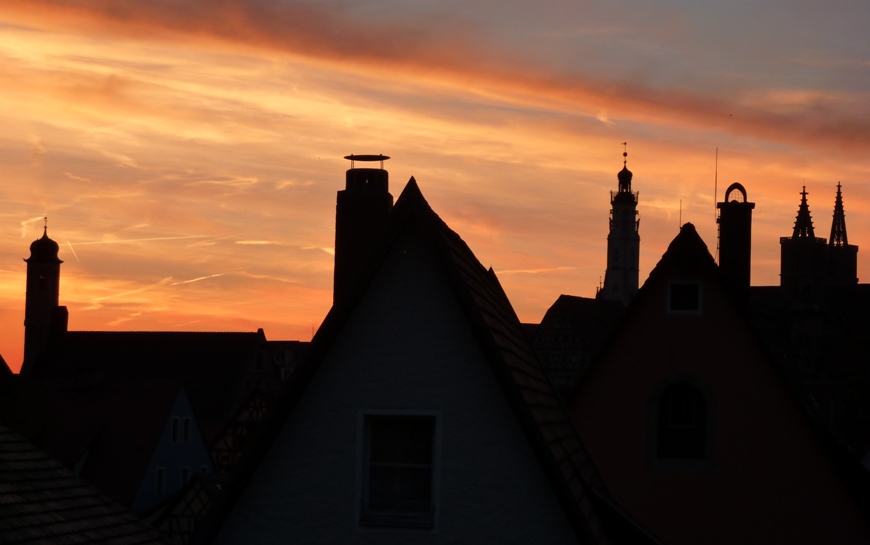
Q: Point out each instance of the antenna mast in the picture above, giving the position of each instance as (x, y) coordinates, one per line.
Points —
(715, 208)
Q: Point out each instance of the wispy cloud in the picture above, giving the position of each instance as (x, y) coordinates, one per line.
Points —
(257, 242)
(534, 271)
(119, 241)
(26, 224)
(419, 49)
(196, 279)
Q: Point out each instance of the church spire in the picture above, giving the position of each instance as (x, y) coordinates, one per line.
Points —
(623, 241)
(803, 225)
(838, 226)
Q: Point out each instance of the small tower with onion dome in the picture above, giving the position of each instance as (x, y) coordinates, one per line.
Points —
(623, 241)
(41, 311)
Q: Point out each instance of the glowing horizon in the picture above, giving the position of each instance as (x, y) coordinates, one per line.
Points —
(188, 155)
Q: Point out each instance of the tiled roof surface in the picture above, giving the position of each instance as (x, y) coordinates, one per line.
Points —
(527, 388)
(571, 334)
(42, 502)
(110, 429)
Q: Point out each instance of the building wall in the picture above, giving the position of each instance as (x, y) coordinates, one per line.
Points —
(406, 346)
(767, 481)
(172, 456)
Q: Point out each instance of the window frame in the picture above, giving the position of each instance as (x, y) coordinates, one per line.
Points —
(711, 427)
(668, 300)
(369, 521)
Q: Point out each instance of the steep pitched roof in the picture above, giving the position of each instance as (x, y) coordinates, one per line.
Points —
(42, 502)
(498, 331)
(687, 255)
(211, 366)
(109, 430)
(571, 334)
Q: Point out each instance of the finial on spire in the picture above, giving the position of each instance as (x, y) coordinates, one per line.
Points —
(45, 226)
(624, 153)
(803, 225)
(838, 226)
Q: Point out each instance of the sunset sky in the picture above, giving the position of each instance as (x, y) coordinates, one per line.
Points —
(187, 153)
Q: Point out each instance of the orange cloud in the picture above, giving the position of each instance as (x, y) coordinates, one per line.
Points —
(436, 51)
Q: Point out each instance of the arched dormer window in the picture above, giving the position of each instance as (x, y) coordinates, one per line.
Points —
(682, 424)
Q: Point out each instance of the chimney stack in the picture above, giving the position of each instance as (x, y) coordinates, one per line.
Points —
(735, 240)
(360, 215)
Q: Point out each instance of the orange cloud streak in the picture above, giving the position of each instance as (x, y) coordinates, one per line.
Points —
(816, 120)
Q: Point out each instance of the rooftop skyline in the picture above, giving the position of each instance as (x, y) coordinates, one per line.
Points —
(188, 156)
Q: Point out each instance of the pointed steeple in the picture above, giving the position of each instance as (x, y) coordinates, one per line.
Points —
(838, 226)
(803, 225)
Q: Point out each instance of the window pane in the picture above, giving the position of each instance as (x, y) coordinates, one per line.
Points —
(682, 423)
(405, 440)
(404, 489)
(684, 297)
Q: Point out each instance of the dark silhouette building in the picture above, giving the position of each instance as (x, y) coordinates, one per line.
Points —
(623, 242)
(810, 264)
(360, 214)
(42, 313)
(735, 240)
(694, 430)
(803, 255)
(842, 256)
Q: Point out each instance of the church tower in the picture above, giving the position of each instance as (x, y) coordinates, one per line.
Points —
(360, 214)
(623, 241)
(42, 315)
(803, 255)
(842, 256)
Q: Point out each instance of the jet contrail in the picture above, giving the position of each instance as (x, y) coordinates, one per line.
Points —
(196, 279)
(138, 240)
(73, 251)
(534, 271)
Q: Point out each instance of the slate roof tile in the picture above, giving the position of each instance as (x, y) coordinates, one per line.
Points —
(48, 504)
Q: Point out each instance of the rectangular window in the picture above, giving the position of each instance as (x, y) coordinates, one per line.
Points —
(187, 430)
(161, 481)
(684, 298)
(174, 430)
(398, 470)
(185, 475)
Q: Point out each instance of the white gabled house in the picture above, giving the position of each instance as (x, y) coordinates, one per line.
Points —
(419, 416)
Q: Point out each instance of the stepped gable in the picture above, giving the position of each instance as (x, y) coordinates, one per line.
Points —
(41, 502)
(534, 402)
